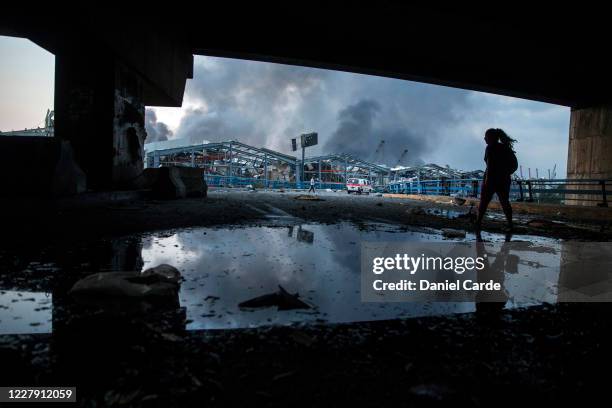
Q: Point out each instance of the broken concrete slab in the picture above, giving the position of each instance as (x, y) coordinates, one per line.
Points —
(161, 281)
(173, 182)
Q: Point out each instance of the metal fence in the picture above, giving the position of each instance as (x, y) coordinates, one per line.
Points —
(234, 181)
(554, 191)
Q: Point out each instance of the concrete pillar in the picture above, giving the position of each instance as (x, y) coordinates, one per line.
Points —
(590, 151)
(99, 110)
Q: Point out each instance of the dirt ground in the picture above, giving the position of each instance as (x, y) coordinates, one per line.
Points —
(34, 220)
(546, 355)
(543, 354)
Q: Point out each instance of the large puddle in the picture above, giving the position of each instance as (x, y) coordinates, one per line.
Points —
(223, 267)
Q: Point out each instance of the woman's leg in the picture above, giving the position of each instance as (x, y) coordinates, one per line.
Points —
(504, 200)
(486, 194)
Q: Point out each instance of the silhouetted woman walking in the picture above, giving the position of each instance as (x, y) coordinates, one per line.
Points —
(501, 163)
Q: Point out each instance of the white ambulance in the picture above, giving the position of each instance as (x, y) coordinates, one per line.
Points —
(359, 186)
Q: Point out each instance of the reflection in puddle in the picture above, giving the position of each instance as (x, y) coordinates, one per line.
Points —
(25, 312)
(322, 262)
(224, 267)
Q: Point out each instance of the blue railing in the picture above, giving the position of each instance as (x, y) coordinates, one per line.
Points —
(545, 191)
(463, 187)
(553, 191)
(234, 181)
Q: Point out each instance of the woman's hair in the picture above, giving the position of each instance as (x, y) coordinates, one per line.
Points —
(501, 137)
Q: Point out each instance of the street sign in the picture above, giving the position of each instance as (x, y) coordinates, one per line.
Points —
(294, 144)
(309, 139)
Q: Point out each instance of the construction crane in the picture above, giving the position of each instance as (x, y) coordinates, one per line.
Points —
(378, 154)
(402, 156)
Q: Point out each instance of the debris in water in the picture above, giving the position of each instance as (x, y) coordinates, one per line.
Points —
(470, 215)
(452, 233)
(281, 299)
(160, 281)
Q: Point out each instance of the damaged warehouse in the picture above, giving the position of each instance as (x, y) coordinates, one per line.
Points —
(234, 163)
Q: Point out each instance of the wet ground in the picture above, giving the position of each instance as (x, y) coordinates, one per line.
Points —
(224, 266)
(37, 220)
(258, 241)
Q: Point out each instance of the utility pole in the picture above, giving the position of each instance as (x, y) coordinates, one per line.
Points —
(303, 152)
(306, 140)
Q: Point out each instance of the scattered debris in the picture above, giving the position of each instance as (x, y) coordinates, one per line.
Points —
(452, 233)
(302, 338)
(160, 281)
(417, 211)
(282, 299)
(433, 392)
(539, 223)
(308, 197)
(459, 200)
(282, 376)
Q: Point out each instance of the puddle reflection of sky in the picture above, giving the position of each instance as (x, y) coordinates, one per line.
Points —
(223, 267)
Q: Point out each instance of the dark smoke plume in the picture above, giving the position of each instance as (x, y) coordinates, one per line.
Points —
(268, 104)
(156, 131)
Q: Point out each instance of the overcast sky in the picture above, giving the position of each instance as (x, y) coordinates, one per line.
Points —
(267, 104)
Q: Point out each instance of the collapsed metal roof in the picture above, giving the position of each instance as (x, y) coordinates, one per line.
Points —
(433, 171)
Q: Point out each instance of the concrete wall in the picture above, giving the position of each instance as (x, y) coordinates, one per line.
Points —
(590, 150)
(101, 89)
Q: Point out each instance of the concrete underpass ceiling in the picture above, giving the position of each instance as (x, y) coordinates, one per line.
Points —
(547, 55)
(551, 55)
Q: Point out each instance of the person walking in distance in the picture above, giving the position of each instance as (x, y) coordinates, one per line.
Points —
(312, 185)
(501, 163)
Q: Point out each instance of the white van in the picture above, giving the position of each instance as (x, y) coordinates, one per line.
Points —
(359, 186)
